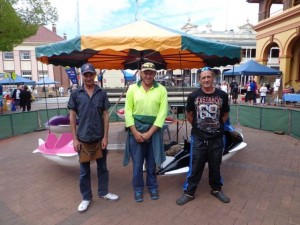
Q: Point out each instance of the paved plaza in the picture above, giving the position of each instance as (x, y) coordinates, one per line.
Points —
(263, 182)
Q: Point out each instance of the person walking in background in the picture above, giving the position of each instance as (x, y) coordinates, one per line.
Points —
(234, 91)
(251, 92)
(145, 112)
(224, 86)
(90, 103)
(16, 97)
(276, 86)
(263, 94)
(61, 91)
(1, 99)
(207, 109)
(25, 99)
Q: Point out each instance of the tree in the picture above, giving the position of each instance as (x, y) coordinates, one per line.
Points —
(20, 19)
(38, 12)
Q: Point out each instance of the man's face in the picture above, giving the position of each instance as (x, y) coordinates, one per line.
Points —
(206, 78)
(148, 76)
(88, 78)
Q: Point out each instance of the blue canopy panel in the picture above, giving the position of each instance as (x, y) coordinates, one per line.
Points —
(252, 68)
(128, 76)
(17, 80)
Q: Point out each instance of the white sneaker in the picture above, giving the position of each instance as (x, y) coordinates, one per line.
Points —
(110, 196)
(83, 205)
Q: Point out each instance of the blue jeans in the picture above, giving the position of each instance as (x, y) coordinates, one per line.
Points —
(141, 152)
(85, 178)
(263, 99)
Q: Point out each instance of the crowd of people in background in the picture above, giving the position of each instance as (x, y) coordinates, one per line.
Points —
(252, 93)
(21, 98)
(263, 94)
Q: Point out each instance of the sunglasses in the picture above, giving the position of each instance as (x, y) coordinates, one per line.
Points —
(206, 68)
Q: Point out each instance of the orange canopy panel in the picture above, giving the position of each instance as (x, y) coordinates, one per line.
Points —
(128, 46)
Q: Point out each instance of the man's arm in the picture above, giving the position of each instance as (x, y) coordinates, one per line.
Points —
(106, 129)
(76, 143)
(189, 116)
(225, 117)
(147, 135)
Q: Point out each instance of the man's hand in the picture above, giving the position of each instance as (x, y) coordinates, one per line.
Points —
(138, 137)
(104, 142)
(76, 145)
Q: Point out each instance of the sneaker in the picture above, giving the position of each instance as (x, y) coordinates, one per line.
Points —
(221, 196)
(110, 197)
(185, 198)
(154, 194)
(83, 205)
(138, 196)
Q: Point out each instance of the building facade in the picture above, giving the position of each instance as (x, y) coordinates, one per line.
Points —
(281, 30)
(22, 60)
(244, 36)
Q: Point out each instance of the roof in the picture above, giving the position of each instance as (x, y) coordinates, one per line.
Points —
(43, 34)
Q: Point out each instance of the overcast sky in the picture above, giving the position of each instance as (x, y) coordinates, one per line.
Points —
(99, 15)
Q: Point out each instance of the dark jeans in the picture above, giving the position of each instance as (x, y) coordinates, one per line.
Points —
(85, 178)
(263, 99)
(209, 151)
(140, 153)
(26, 106)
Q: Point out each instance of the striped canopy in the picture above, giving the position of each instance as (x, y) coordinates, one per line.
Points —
(128, 46)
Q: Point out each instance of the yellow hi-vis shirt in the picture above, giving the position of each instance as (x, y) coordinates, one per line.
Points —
(148, 107)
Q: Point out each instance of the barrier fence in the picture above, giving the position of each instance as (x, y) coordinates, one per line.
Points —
(263, 118)
(284, 120)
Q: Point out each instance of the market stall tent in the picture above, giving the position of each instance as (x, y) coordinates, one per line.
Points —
(252, 68)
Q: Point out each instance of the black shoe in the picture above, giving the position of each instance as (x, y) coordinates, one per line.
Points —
(185, 198)
(154, 194)
(221, 196)
(138, 196)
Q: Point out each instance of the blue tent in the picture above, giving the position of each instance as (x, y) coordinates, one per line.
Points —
(252, 68)
(128, 76)
(18, 80)
(46, 81)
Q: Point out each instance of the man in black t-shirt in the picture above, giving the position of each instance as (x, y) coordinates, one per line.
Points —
(234, 89)
(207, 110)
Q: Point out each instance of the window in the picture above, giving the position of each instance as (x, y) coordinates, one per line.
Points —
(43, 74)
(253, 53)
(274, 52)
(25, 55)
(8, 55)
(27, 75)
(244, 53)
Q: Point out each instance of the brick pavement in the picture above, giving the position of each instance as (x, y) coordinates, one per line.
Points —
(263, 182)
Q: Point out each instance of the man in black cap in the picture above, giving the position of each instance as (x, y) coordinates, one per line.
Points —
(90, 103)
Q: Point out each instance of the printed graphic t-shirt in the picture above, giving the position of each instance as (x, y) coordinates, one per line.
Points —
(208, 110)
